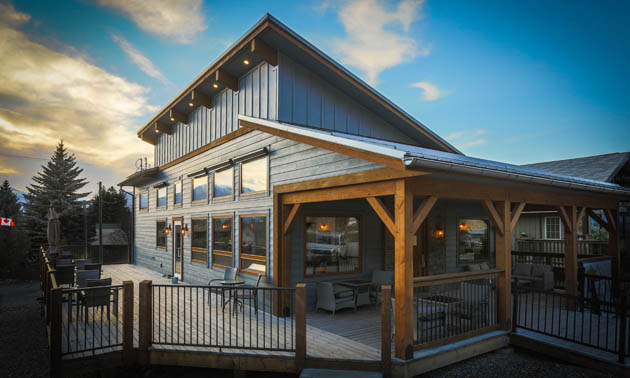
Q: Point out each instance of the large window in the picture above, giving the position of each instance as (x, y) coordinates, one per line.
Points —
(254, 176)
(177, 195)
(222, 241)
(160, 234)
(144, 201)
(552, 228)
(332, 245)
(199, 240)
(200, 189)
(222, 183)
(472, 241)
(161, 197)
(253, 233)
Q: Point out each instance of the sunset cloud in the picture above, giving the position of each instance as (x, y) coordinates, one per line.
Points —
(142, 62)
(46, 95)
(377, 38)
(179, 21)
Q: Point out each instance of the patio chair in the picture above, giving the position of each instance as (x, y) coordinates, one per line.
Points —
(333, 297)
(96, 298)
(249, 293)
(228, 274)
(64, 274)
(84, 275)
(380, 278)
(92, 267)
(80, 263)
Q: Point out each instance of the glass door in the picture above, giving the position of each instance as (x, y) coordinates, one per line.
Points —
(178, 248)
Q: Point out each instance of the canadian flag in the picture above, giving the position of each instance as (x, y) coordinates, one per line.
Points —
(8, 222)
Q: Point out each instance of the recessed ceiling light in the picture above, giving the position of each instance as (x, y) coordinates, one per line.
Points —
(172, 119)
(215, 85)
(246, 62)
(191, 104)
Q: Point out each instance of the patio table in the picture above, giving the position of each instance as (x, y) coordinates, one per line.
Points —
(357, 286)
(231, 298)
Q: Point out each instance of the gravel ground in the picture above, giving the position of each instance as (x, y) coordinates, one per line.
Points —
(23, 338)
(24, 350)
(514, 363)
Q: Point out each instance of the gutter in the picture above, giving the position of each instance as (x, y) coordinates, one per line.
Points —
(426, 162)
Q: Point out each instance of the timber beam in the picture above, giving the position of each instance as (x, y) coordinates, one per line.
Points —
(197, 98)
(383, 213)
(264, 51)
(342, 193)
(422, 212)
(290, 218)
(163, 128)
(176, 116)
(497, 220)
(226, 79)
(517, 214)
(145, 138)
(566, 220)
(599, 220)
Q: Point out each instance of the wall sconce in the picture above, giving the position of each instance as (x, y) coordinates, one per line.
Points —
(463, 226)
(324, 226)
(185, 229)
(168, 229)
(439, 232)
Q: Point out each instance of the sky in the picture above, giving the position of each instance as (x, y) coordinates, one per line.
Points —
(518, 82)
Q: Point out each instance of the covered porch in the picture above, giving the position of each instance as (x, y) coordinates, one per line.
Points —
(425, 227)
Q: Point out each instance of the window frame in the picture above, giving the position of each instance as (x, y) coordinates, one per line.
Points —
(157, 199)
(231, 195)
(192, 190)
(165, 221)
(219, 252)
(559, 227)
(196, 249)
(361, 251)
(240, 244)
(181, 189)
(140, 208)
(489, 252)
(240, 178)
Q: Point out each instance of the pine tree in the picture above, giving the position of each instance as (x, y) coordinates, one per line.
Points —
(115, 210)
(13, 240)
(58, 185)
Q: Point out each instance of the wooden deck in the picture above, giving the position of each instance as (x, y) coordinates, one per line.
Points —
(346, 335)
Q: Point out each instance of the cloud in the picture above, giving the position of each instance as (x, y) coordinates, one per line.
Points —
(476, 142)
(179, 21)
(430, 92)
(455, 135)
(8, 171)
(46, 95)
(144, 63)
(377, 38)
(468, 138)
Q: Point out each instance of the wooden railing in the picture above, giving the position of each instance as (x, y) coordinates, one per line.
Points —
(450, 307)
(585, 247)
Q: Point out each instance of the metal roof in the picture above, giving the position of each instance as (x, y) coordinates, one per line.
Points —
(418, 157)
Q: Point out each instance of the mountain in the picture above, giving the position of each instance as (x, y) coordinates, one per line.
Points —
(19, 194)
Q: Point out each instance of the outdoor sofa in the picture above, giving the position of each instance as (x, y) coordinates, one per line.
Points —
(538, 276)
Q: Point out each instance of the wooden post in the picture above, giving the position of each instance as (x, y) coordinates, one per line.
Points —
(56, 301)
(570, 252)
(127, 312)
(386, 330)
(613, 239)
(403, 271)
(504, 261)
(285, 265)
(145, 315)
(300, 326)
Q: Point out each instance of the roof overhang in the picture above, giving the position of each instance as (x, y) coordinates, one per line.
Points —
(402, 156)
(141, 178)
(261, 43)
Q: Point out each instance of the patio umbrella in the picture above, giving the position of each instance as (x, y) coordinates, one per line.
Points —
(54, 232)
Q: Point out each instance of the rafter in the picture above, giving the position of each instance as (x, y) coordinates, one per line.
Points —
(383, 213)
(290, 218)
(581, 214)
(165, 128)
(494, 215)
(197, 98)
(517, 214)
(566, 220)
(227, 80)
(264, 51)
(422, 212)
(176, 116)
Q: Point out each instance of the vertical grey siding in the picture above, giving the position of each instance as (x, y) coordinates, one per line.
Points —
(306, 99)
(256, 97)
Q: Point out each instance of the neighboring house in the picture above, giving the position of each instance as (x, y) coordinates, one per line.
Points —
(546, 225)
(279, 161)
(112, 235)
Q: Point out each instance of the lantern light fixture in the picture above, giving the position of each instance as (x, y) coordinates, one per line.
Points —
(168, 229)
(439, 232)
(246, 62)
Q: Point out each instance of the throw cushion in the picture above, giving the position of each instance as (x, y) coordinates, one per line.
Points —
(539, 269)
(522, 270)
(484, 266)
(473, 267)
(344, 294)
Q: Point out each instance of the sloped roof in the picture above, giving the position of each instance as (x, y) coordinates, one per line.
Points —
(599, 168)
(418, 157)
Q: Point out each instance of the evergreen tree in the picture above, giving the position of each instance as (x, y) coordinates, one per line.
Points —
(13, 240)
(58, 185)
(115, 211)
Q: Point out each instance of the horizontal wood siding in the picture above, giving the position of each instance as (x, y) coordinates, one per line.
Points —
(307, 99)
(256, 97)
(289, 162)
